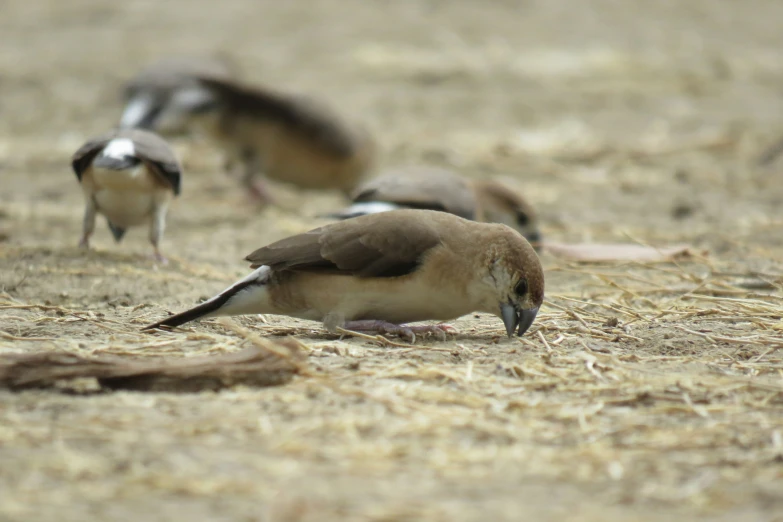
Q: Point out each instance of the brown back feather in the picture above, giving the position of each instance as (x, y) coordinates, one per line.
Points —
(426, 188)
(175, 72)
(389, 244)
(82, 158)
(156, 154)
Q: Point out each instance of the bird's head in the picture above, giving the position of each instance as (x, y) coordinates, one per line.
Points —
(516, 278)
(499, 204)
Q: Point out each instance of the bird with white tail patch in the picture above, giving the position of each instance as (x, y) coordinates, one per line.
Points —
(130, 176)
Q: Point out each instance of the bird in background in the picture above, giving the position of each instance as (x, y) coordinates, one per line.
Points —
(379, 272)
(292, 139)
(434, 188)
(130, 176)
(165, 95)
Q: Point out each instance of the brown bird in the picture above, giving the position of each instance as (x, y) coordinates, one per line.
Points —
(129, 176)
(375, 273)
(165, 95)
(287, 138)
(440, 189)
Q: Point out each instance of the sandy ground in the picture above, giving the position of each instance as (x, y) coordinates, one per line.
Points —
(644, 392)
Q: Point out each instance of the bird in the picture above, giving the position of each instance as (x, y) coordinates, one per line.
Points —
(435, 188)
(379, 272)
(130, 176)
(164, 96)
(289, 138)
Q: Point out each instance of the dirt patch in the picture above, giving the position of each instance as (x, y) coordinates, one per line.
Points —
(643, 392)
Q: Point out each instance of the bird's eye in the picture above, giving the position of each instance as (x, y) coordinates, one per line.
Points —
(521, 288)
(523, 219)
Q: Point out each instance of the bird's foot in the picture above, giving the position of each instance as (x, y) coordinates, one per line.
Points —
(159, 258)
(406, 332)
(259, 193)
(84, 242)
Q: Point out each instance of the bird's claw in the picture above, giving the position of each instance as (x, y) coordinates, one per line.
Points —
(406, 332)
(160, 258)
(259, 193)
(441, 331)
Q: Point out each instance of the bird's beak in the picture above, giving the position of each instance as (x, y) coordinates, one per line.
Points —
(526, 318)
(512, 319)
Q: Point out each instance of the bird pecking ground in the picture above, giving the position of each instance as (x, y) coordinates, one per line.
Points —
(643, 392)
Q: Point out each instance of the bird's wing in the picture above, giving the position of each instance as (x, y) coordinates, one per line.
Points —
(175, 72)
(389, 244)
(300, 115)
(82, 158)
(157, 155)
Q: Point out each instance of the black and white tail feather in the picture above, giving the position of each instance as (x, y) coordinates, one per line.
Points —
(238, 299)
(362, 209)
(117, 232)
(120, 162)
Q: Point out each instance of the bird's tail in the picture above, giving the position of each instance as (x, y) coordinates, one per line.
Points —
(112, 163)
(361, 209)
(242, 297)
(141, 112)
(116, 231)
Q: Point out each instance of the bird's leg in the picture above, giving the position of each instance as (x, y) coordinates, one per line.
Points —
(88, 224)
(229, 165)
(257, 187)
(160, 258)
(259, 191)
(406, 332)
(157, 226)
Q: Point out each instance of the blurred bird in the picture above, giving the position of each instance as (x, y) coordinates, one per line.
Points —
(287, 138)
(434, 188)
(375, 273)
(129, 176)
(165, 95)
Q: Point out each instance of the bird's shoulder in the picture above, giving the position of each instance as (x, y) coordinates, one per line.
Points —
(388, 244)
(157, 155)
